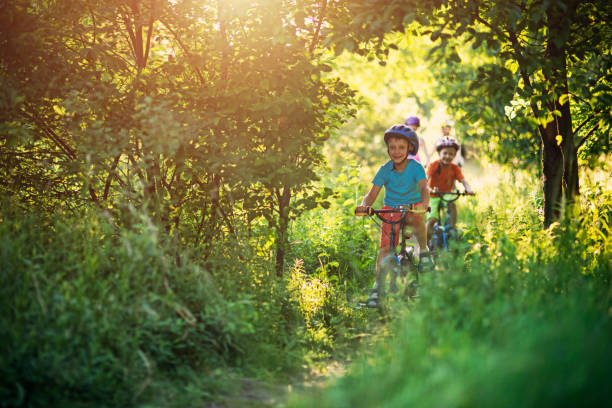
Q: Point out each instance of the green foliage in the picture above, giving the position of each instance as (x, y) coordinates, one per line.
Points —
(535, 49)
(159, 164)
(319, 301)
(204, 113)
(92, 314)
(389, 94)
(493, 123)
(520, 317)
(332, 242)
(334, 255)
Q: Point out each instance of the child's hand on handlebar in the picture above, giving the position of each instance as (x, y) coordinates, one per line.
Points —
(362, 210)
(469, 191)
(421, 207)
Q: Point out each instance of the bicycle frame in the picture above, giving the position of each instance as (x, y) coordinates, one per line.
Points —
(403, 256)
(446, 227)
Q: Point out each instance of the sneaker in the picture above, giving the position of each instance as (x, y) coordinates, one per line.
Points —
(426, 261)
(372, 299)
(411, 290)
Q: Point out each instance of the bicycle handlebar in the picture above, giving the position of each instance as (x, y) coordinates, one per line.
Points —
(371, 211)
(457, 194)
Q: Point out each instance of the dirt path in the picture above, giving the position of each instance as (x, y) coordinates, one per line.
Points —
(253, 393)
(261, 394)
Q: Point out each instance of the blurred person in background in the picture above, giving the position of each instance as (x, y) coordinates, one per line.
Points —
(423, 156)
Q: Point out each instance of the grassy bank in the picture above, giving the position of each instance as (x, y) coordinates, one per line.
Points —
(520, 318)
(97, 315)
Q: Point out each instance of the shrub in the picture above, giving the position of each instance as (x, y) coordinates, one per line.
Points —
(94, 314)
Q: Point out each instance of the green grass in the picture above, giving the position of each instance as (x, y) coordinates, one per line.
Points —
(96, 315)
(91, 314)
(518, 316)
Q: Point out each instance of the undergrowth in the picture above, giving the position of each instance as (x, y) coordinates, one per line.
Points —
(517, 316)
(93, 314)
(100, 315)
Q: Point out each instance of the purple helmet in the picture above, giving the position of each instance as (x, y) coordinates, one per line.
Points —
(412, 121)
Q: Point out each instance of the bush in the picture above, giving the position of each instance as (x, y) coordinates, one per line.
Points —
(91, 314)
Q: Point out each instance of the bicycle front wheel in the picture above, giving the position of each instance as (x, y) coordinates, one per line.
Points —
(410, 273)
(398, 277)
(387, 280)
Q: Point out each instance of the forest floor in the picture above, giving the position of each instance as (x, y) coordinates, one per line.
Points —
(254, 393)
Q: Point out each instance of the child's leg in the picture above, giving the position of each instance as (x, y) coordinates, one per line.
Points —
(372, 301)
(420, 230)
(383, 252)
(385, 239)
(452, 208)
(430, 225)
(434, 203)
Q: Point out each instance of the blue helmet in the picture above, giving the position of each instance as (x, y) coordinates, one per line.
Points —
(405, 132)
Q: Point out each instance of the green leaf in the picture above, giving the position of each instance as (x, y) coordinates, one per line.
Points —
(60, 110)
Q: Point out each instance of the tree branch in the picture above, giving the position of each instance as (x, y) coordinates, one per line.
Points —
(185, 50)
(521, 63)
(315, 39)
(132, 42)
(580, 99)
(149, 33)
(110, 176)
(495, 30)
(584, 122)
(137, 34)
(67, 150)
(586, 137)
(33, 153)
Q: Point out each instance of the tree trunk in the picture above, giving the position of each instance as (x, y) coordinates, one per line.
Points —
(571, 185)
(282, 239)
(552, 173)
(559, 32)
(559, 162)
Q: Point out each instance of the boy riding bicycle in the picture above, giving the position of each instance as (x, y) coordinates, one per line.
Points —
(447, 127)
(442, 174)
(405, 186)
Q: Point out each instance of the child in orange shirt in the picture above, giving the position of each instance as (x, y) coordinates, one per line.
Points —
(441, 175)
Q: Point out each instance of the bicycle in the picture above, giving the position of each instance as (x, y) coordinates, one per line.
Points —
(442, 234)
(401, 261)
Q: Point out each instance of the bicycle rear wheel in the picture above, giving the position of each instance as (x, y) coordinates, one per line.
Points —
(437, 238)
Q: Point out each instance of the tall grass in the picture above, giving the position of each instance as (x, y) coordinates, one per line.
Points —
(519, 316)
(94, 314)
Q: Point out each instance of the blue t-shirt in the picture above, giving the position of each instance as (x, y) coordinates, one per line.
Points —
(401, 188)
